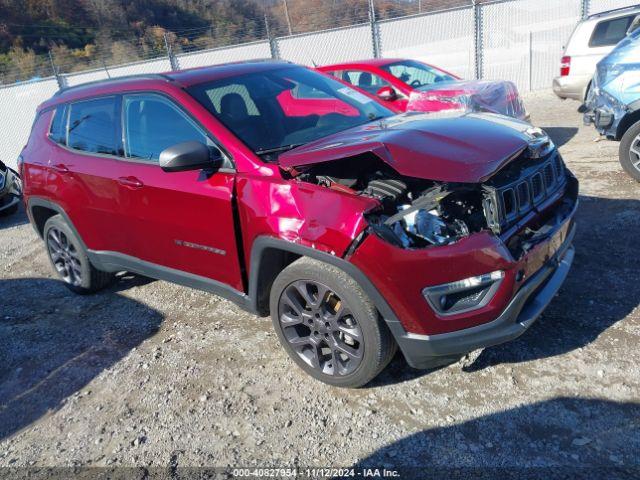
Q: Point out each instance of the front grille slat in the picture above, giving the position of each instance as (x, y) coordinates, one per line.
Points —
(513, 193)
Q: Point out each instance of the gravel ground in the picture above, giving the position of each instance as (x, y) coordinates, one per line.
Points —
(150, 374)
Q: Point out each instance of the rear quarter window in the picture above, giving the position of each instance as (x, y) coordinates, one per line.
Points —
(58, 130)
(610, 32)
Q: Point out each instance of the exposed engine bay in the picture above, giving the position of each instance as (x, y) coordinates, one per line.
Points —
(413, 213)
(418, 213)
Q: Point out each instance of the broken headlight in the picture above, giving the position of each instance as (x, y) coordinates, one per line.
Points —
(426, 225)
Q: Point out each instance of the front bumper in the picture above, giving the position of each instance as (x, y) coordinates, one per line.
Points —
(534, 267)
(605, 120)
(428, 351)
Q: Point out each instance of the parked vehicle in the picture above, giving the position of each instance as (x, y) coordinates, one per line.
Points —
(10, 190)
(357, 230)
(408, 85)
(592, 39)
(613, 105)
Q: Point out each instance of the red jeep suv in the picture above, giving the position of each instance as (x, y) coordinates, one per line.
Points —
(290, 193)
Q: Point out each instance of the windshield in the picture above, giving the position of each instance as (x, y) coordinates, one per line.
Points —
(416, 74)
(276, 110)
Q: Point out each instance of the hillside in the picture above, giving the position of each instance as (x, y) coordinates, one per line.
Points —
(86, 33)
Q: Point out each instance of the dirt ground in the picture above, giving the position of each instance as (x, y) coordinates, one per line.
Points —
(150, 374)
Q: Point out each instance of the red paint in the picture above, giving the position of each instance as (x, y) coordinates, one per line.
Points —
(137, 209)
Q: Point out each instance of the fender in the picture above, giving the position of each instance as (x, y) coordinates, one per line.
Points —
(263, 243)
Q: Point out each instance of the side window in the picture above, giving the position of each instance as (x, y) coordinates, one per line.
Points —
(152, 124)
(92, 126)
(369, 82)
(610, 32)
(58, 131)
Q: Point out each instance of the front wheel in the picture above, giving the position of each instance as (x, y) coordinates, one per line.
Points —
(630, 151)
(328, 325)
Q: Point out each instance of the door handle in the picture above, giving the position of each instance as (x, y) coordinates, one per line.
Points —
(60, 168)
(131, 182)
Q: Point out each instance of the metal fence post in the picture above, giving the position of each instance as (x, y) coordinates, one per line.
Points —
(584, 8)
(56, 72)
(478, 42)
(273, 42)
(375, 33)
(173, 61)
(530, 61)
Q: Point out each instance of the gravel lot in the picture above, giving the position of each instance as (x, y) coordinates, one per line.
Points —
(151, 374)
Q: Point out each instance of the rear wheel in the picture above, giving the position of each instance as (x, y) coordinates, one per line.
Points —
(630, 151)
(70, 260)
(328, 325)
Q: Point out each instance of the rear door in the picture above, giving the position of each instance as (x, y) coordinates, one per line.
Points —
(83, 171)
(182, 220)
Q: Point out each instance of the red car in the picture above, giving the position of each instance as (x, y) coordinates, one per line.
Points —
(357, 230)
(409, 85)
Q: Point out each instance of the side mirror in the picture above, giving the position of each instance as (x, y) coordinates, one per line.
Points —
(189, 156)
(388, 94)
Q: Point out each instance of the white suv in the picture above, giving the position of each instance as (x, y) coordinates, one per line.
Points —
(591, 40)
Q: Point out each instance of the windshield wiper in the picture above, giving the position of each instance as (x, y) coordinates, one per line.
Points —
(282, 148)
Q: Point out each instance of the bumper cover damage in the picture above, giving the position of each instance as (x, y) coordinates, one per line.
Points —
(430, 351)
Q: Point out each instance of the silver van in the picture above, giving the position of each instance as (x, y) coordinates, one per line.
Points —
(591, 40)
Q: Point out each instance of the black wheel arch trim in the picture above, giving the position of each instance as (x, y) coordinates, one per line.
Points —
(263, 243)
(42, 202)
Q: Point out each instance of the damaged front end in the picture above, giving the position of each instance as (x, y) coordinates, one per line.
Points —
(450, 255)
(415, 213)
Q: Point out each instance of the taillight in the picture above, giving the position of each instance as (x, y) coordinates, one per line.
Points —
(565, 66)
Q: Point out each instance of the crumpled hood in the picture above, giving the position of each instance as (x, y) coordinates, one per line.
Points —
(444, 146)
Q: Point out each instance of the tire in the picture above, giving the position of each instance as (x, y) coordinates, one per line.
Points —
(629, 152)
(328, 325)
(70, 260)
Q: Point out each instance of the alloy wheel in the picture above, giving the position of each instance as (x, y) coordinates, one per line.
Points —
(634, 153)
(320, 328)
(64, 256)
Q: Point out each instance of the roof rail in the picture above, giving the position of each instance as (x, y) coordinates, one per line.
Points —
(621, 9)
(139, 76)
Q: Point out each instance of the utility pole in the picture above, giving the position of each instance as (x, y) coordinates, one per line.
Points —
(419, 6)
(286, 14)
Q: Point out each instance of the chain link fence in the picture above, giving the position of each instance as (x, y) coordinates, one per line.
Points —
(517, 40)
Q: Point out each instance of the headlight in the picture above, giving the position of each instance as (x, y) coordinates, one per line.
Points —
(427, 225)
(2, 180)
(463, 295)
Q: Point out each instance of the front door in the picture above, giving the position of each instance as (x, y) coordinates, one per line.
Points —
(184, 220)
